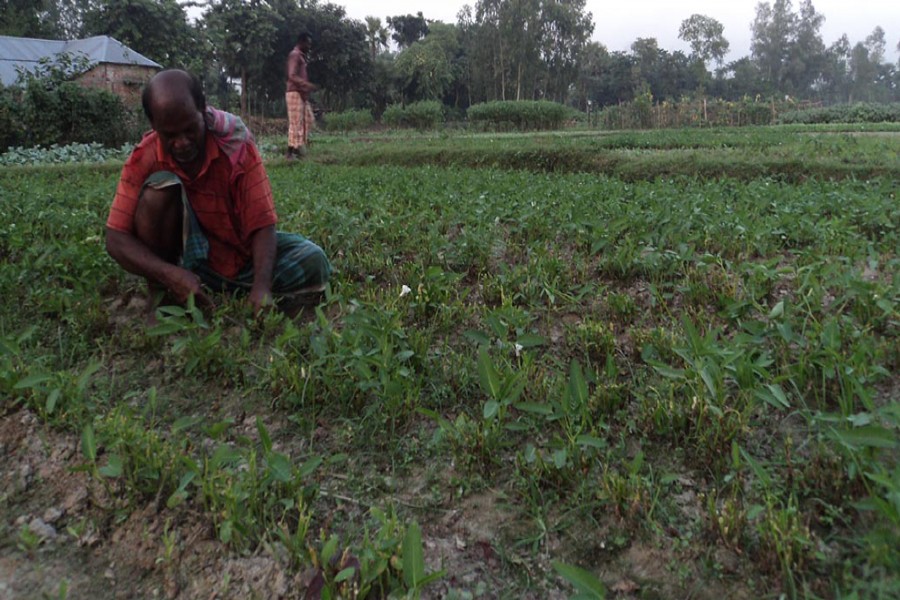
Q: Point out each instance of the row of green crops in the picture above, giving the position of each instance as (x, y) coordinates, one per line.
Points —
(707, 365)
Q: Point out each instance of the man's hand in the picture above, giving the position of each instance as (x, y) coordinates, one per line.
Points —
(261, 299)
(182, 283)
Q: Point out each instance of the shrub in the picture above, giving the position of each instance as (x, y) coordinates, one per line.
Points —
(521, 115)
(67, 113)
(427, 114)
(393, 115)
(46, 108)
(350, 120)
(12, 133)
(845, 113)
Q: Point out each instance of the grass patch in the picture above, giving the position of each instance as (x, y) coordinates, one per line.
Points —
(680, 384)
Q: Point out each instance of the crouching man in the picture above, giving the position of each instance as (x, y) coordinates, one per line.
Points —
(193, 209)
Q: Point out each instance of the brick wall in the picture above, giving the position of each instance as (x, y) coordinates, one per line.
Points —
(126, 81)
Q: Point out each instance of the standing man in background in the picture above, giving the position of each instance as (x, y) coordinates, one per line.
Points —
(300, 115)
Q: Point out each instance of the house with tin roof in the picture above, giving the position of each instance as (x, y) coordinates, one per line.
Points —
(110, 64)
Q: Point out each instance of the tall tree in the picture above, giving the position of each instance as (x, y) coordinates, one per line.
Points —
(426, 68)
(567, 28)
(408, 29)
(158, 29)
(521, 31)
(591, 68)
(876, 43)
(787, 46)
(705, 37)
(376, 35)
(772, 32)
(862, 74)
(51, 19)
(835, 85)
(806, 57)
(28, 18)
(525, 48)
(242, 33)
(646, 53)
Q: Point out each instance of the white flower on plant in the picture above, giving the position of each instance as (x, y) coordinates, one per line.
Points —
(405, 290)
(519, 348)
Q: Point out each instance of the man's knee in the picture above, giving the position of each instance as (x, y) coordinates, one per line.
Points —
(318, 267)
(301, 264)
(154, 204)
(158, 220)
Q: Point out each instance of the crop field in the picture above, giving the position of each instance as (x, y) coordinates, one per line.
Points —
(617, 379)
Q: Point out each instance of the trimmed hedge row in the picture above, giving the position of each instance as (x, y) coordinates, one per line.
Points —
(527, 115)
(861, 112)
(427, 114)
(350, 120)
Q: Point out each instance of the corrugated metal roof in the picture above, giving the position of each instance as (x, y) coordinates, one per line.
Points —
(26, 53)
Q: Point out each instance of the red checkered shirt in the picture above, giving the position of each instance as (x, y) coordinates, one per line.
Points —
(231, 201)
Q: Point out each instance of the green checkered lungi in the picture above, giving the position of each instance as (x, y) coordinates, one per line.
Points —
(299, 263)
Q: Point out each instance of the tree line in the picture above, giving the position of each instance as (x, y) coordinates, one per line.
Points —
(497, 50)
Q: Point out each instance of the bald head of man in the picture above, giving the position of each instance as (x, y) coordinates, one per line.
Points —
(174, 103)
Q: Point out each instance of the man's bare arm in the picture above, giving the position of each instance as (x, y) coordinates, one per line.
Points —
(264, 246)
(135, 257)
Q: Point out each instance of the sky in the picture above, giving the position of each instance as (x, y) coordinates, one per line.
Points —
(619, 23)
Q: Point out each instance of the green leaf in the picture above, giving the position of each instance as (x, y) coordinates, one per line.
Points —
(777, 310)
(513, 388)
(217, 430)
(345, 574)
(307, 468)
(578, 389)
(264, 436)
(665, 370)
(225, 455)
(32, 381)
(583, 581)
(590, 441)
(534, 408)
(329, 549)
(176, 499)
(860, 419)
(560, 457)
(85, 376)
(779, 394)
(774, 395)
(404, 355)
(280, 467)
(488, 376)
(441, 421)
(413, 557)
(226, 530)
(491, 408)
(530, 340)
(709, 382)
(787, 333)
(52, 398)
(180, 494)
(479, 337)
(185, 423)
(113, 467)
(89, 443)
(870, 436)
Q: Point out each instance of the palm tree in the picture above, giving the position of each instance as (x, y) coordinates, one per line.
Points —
(377, 35)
